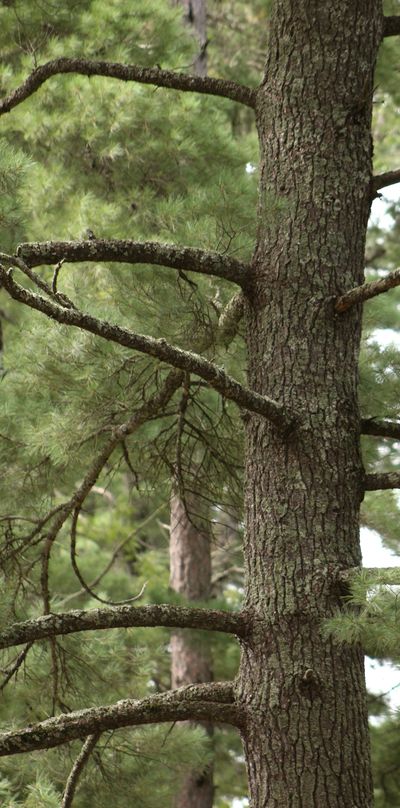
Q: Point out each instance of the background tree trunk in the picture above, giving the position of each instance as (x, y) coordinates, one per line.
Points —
(190, 565)
(306, 737)
(195, 15)
(190, 549)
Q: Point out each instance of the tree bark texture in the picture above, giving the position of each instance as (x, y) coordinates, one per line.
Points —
(190, 575)
(306, 735)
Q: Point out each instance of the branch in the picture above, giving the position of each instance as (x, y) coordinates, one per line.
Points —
(378, 575)
(205, 702)
(230, 317)
(367, 290)
(134, 252)
(383, 180)
(391, 26)
(383, 429)
(115, 70)
(159, 349)
(376, 482)
(77, 769)
(16, 665)
(164, 615)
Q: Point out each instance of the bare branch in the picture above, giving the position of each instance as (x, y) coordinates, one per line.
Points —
(115, 553)
(159, 349)
(203, 702)
(16, 261)
(77, 769)
(367, 290)
(391, 26)
(86, 587)
(382, 429)
(165, 615)
(134, 252)
(143, 75)
(384, 180)
(16, 665)
(376, 482)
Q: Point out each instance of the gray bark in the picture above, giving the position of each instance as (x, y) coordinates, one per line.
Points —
(306, 737)
(195, 16)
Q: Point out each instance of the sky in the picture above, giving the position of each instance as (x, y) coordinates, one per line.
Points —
(382, 678)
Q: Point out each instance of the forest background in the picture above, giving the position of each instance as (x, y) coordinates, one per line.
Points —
(127, 161)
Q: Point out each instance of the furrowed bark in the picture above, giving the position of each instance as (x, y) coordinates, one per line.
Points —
(134, 252)
(63, 623)
(212, 701)
(304, 695)
(367, 290)
(115, 70)
(158, 348)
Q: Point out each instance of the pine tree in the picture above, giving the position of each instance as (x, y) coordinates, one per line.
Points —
(299, 698)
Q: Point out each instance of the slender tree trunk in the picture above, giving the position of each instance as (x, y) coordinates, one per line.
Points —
(306, 736)
(190, 565)
(195, 15)
(190, 551)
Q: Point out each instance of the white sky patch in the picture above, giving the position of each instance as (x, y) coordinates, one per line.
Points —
(379, 216)
(381, 678)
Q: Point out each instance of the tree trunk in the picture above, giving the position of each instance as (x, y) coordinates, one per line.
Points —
(190, 575)
(190, 551)
(195, 15)
(306, 734)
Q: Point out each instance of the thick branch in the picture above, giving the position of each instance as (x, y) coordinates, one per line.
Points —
(52, 625)
(367, 290)
(77, 769)
(384, 180)
(391, 26)
(376, 482)
(134, 252)
(206, 702)
(158, 348)
(144, 75)
(382, 429)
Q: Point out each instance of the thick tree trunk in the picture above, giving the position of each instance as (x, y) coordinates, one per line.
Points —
(190, 575)
(306, 736)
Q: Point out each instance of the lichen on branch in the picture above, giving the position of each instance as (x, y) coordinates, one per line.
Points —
(115, 70)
